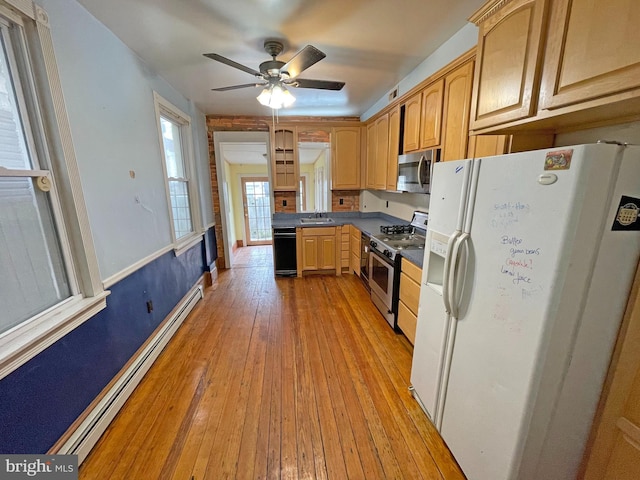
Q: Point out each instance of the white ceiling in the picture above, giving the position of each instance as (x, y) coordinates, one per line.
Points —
(370, 44)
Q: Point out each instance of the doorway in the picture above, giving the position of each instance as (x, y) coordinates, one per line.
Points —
(257, 210)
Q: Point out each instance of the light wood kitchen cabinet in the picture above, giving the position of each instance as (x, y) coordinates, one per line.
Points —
(320, 249)
(431, 115)
(345, 158)
(510, 45)
(284, 159)
(394, 149)
(455, 115)
(345, 251)
(372, 143)
(410, 279)
(412, 112)
(489, 145)
(355, 243)
(593, 51)
(382, 151)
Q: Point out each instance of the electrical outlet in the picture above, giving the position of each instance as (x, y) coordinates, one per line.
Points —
(149, 306)
(284, 203)
(342, 201)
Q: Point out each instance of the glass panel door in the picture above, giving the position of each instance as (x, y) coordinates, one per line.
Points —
(257, 210)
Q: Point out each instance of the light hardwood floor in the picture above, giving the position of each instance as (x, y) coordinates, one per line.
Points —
(276, 378)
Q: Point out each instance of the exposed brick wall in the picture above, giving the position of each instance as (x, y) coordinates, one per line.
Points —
(290, 198)
(350, 201)
(316, 136)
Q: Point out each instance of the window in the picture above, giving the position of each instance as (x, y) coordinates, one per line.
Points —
(174, 128)
(50, 281)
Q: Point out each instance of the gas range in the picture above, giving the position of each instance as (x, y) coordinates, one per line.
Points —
(393, 239)
(384, 262)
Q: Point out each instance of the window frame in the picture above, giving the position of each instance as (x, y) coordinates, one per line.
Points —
(48, 134)
(164, 108)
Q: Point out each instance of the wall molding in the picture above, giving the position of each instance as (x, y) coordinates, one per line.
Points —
(85, 432)
(115, 278)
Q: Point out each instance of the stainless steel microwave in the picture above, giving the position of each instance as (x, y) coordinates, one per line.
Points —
(415, 170)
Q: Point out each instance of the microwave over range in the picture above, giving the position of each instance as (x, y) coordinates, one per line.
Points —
(415, 170)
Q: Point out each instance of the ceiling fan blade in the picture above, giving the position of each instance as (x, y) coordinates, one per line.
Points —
(236, 87)
(302, 60)
(320, 84)
(231, 63)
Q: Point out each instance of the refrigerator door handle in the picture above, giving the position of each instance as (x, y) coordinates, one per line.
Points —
(446, 298)
(454, 287)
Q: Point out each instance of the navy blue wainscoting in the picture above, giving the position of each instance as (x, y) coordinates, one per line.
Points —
(41, 399)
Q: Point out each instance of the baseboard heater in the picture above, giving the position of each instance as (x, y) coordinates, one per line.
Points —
(94, 425)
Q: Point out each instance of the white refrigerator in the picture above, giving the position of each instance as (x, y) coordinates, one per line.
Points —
(528, 264)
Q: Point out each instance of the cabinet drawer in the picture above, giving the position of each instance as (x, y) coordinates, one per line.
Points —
(315, 231)
(409, 292)
(413, 271)
(407, 322)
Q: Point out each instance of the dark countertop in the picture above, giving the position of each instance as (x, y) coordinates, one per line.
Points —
(369, 223)
(414, 256)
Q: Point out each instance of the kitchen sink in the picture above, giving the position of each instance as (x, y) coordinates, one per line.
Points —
(316, 221)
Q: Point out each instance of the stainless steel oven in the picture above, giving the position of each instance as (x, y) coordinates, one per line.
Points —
(382, 281)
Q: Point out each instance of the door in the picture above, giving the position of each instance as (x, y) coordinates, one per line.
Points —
(257, 210)
(448, 198)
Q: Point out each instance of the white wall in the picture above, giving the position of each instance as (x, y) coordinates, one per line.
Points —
(624, 133)
(109, 98)
(401, 205)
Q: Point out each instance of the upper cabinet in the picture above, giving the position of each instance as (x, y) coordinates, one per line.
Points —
(507, 61)
(431, 115)
(382, 151)
(553, 64)
(412, 107)
(372, 143)
(593, 50)
(284, 159)
(346, 158)
(455, 115)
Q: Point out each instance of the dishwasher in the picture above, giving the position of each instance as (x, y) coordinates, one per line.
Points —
(284, 251)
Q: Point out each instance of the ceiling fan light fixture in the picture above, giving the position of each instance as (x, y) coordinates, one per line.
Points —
(276, 96)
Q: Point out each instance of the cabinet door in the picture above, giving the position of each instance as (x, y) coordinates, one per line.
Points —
(345, 145)
(284, 159)
(370, 181)
(593, 50)
(310, 253)
(431, 115)
(382, 151)
(327, 252)
(411, 140)
(487, 145)
(455, 117)
(394, 149)
(507, 61)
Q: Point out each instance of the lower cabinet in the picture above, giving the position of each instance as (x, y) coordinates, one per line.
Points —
(355, 250)
(410, 278)
(319, 249)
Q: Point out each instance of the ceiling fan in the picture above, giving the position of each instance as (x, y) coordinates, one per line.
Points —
(278, 75)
